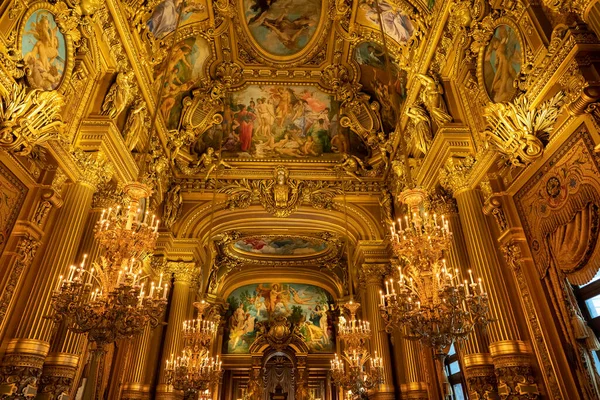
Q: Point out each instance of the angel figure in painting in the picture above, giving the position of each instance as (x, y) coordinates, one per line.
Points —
(119, 95)
(395, 24)
(210, 161)
(350, 165)
(421, 123)
(42, 59)
(431, 96)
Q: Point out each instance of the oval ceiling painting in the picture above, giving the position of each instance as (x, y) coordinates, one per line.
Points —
(280, 246)
(282, 27)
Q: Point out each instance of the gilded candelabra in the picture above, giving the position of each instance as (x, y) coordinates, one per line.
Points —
(194, 371)
(108, 300)
(427, 301)
(355, 370)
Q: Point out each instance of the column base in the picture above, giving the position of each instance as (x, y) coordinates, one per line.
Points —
(383, 396)
(512, 364)
(168, 392)
(135, 391)
(57, 376)
(414, 391)
(22, 367)
(480, 376)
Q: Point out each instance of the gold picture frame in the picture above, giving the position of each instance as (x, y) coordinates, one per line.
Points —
(497, 76)
(46, 46)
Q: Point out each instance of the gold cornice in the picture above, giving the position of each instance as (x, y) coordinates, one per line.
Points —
(101, 133)
(450, 139)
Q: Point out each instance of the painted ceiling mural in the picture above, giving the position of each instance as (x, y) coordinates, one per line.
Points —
(282, 27)
(396, 23)
(280, 246)
(305, 306)
(163, 19)
(277, 121)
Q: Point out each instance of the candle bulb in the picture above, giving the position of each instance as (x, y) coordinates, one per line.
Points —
(466, 288)
(480, 286)
(60, 279)
(471, 276)
(165, 292)
(160, 279)
(387, 287)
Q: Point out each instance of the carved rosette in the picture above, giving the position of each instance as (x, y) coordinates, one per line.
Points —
(455, 176)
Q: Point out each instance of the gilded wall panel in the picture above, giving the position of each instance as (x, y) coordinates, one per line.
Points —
(12, 196)
(560, 200)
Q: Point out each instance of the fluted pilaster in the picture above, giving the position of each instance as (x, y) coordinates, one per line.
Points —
(373, 275)
(35, 330)
(134, 387)
(183, 273)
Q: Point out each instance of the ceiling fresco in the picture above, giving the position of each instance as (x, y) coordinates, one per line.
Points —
(282, 27)
(280, 246)
(163, 19)
(396, 23)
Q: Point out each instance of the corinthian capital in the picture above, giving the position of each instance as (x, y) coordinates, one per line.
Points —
(374, 273)
(94, 168)
(455, 176)
(184, 271)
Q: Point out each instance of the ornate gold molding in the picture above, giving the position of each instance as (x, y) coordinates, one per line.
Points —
(456, 174)
(29, 118)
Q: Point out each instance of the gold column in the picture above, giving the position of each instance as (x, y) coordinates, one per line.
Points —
(183, 272)
(35, 331)
(414, 385)
(373, 275)
(486, 265)
(65, 343)
(134, 386)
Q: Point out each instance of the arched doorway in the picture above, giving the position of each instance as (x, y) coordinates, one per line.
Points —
(279, 376)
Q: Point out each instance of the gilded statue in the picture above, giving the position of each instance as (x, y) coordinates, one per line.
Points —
(281, 189)
(432, 97)
(209, 161)
(119, 95)
(385, 202)
(137, 121)
(29, 118)
(421, 127)
(351, 165)
(172, 206)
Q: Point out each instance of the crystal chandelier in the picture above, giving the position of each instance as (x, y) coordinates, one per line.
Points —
(111, 299)
(194, 371)
(355, 371)
(428, 302)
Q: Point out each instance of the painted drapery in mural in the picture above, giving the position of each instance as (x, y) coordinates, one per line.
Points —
(305, 306)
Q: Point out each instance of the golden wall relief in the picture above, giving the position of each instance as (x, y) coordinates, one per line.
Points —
(561, 200)
(12, 196)
(559, 210)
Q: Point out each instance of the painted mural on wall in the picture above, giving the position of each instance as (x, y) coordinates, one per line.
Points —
(44, 52)
(282, 27)
(184, 68)
(12, 196)
(389, 91)
(305, 305)
(395, 23)
(280, 245)
(502, 63)
(293, 122)
(164, 16)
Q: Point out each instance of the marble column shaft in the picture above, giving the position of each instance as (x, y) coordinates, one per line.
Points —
(373, 276)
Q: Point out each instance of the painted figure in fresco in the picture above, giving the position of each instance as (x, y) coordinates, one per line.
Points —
(43, 60)
(245, 119)
(164, 17)
(506, 55)
(395, 23)
(288, 31)
(298, 298)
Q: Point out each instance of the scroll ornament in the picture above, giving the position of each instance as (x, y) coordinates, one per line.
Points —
(520, 131)
(29, 118)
